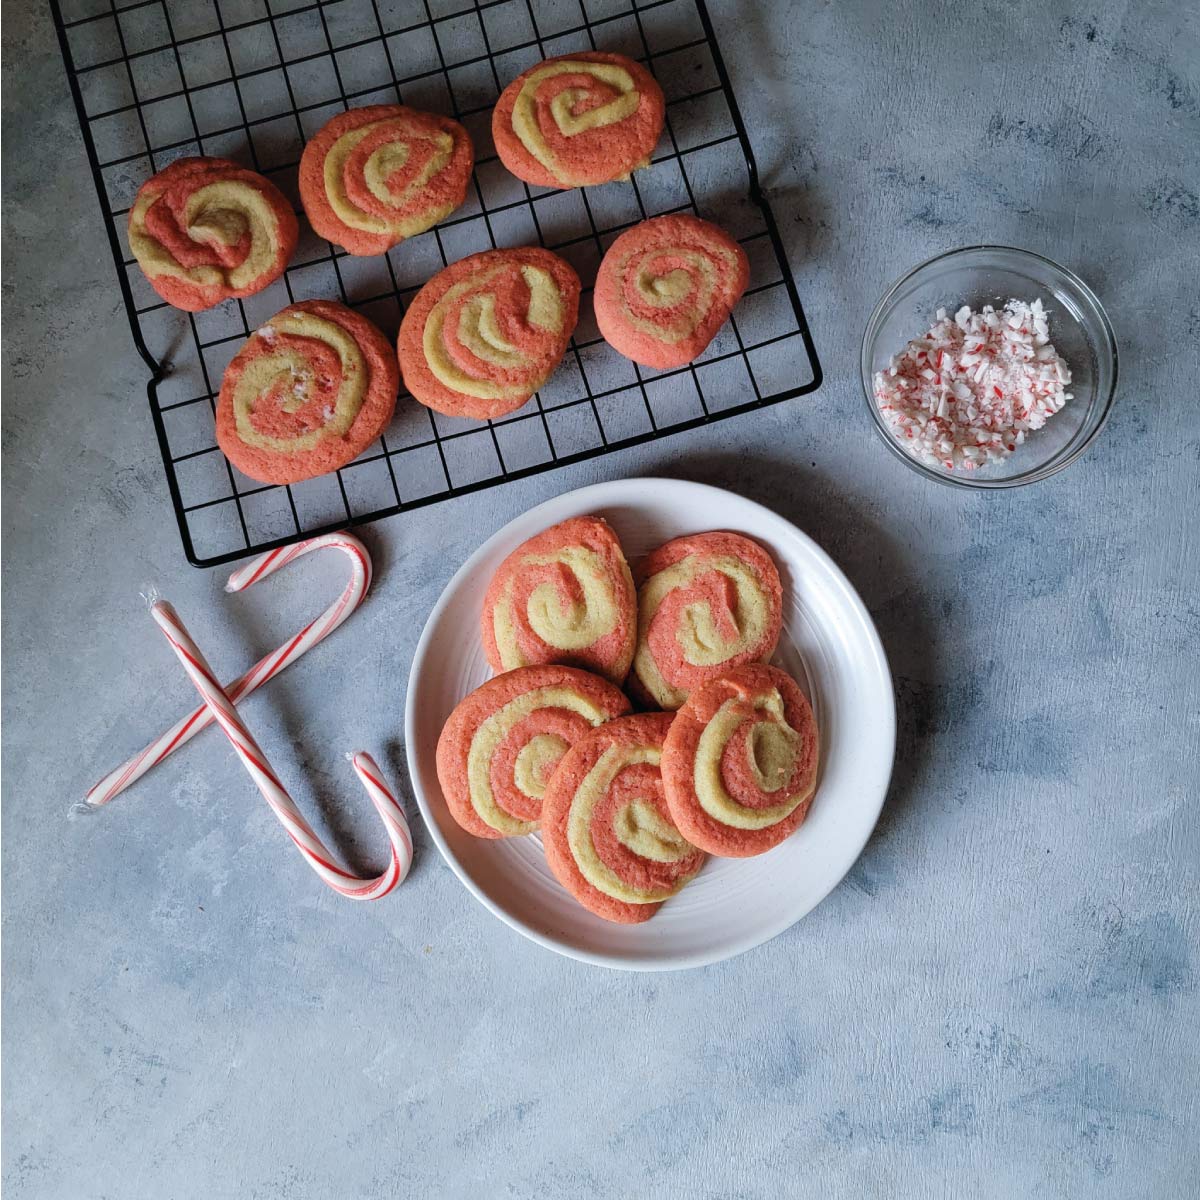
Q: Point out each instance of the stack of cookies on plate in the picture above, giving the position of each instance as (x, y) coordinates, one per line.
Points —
(721, 757)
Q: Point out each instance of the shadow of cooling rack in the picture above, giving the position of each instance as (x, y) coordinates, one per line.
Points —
(251, 80)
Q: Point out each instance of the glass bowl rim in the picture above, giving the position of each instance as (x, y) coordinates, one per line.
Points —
(1071, 451)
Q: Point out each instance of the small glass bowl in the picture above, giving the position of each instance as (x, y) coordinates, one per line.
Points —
(979, 275)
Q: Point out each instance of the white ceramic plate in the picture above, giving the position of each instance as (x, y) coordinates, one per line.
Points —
(828, 644)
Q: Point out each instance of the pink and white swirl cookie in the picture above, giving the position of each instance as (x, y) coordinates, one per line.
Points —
(606, 828)
(739, 764)
(502, 743)
(577, 120)
(666, 286)
(205, 230)
(306, 394)
(566, 596)
(373, 176)
(706, 602)
(485, 333)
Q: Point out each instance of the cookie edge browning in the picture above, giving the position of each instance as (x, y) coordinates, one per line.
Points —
(451, 766)
(366, 333)
(500, 578)
(679, 756)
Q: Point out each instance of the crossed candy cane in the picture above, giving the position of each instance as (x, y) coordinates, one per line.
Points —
(219, 705)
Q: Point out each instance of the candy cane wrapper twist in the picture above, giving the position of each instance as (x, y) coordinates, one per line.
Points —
(282, 805)
(128, 773)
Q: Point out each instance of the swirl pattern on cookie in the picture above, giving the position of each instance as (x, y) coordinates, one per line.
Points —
(485, 333)
(606, 828)
(666, 286)
(740, 761)
(306, 394)
(706, 602)
(204, 230)
(502, 743)
(564, 596)
(373, 176)
(577, 120)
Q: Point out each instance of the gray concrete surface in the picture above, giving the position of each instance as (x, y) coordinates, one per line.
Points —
(1000, 1001)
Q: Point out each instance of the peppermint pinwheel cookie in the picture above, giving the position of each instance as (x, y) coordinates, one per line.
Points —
(485, 333)
(205, 230)
(564, 596)
(578, 120)
(306, 394)
(374, 176)
(739, 764)
(606, 828)
(503, 742)
(706, 602)
(666, 286)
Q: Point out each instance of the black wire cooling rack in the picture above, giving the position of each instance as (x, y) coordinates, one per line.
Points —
(251, 80)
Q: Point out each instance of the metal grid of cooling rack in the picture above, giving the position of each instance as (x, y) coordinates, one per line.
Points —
(251, 80)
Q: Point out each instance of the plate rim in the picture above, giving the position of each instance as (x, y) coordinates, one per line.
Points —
(599, 495)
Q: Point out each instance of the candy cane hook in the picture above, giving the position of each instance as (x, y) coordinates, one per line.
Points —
(317, 856)
(128, 773)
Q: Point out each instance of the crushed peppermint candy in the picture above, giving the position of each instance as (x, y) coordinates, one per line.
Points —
(966, 394)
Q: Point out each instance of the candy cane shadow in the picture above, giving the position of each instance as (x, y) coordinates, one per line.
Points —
(889, 586)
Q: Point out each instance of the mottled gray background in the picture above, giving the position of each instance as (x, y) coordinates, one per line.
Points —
(1000, 1001)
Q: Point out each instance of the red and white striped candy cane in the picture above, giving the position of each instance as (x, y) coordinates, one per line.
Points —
(128, 773)
(282, 805)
